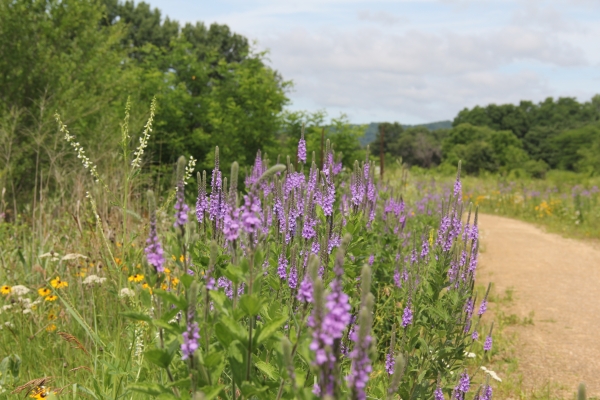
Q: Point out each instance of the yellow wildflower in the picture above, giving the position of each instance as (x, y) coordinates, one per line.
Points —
(118, 261)
(173, 257)
(5, 290)
(49, 328)
(44, 292)
(52, 316)
(164, 286)
(181, 258)
(146, 286)
(58, 284)
(138, 266)
(52, 297)
(167, 271)
(136, 278)
(174, 281)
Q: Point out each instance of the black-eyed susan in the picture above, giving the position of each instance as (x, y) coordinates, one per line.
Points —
(50, 328)
(42, 392)
(52, 297)
(164, 286)
(44, 292)
(167, 271)
(118, 261)
(58, 284)
(136, 278)
(5, 290)
(181, 258)
(173, 257)
(174, 281)
(51, 316)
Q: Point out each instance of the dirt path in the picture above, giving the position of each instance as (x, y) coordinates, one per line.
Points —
(559, 280)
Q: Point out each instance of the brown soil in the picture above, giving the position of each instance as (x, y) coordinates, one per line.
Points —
(559, 280)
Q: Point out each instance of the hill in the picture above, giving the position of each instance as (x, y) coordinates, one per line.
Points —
(373, 130)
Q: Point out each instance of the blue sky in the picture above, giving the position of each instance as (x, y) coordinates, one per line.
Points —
(415, 61)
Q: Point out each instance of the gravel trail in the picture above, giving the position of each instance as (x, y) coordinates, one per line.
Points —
(559, 280)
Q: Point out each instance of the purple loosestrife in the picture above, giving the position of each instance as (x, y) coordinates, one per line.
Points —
(302, 148)
(293, 278)
(397, 279)
(475, 335)
(463, 386)
(282, 267)
(424, 249)
(181, 209)
(202, 201)
(305, 292)
(250, 211)
(482, 307)
(407, 316)
(154, 251)
(487, 346)
(215, 207)
(390, 363)
(487, 393)
(231, 223)
(438, 394)
(190, 337)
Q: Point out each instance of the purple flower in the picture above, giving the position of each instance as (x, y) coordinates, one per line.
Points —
(390, 363)
(282, 267)
(407, 317)
(475, 335)
(457, 188)
(424, 249)
(487, 393)
(293, 278)
(487, 346)
(371, 260)
(438, 394)
(302, 149)
(305, 292)
(181, 209)
(482, 308)
(250, 221)
(215, 207)
(231, 223)
(190, 337)
(201, 202)
(463, 386)
(361, 366)
(154, 251)
(397, 279)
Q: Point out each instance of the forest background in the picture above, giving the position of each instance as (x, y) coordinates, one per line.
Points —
(85, 59)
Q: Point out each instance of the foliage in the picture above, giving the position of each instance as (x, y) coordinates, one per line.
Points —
(243, 299)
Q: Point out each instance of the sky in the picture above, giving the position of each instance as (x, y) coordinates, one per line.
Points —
(415, 61)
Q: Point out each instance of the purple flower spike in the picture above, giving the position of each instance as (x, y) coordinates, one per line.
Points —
(487, 346)
(293, 278)
(305, 293)
(390, 363)
(482, 308)
(371, 260)
(438, 394)
(181, 209)
(250, 220)
(154, 251)
(475, 335)
(407, 317)
(190, 338)
(463, 386)
(302, 149)
(282, 267)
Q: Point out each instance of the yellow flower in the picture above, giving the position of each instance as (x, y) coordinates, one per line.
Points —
(58, 284)
(167, 271)
(52, 316)
(41, 392)
(82, 272)
(118, 244)
(52, 297)
(44, 292)
(136, 278)
(5, 290)
(138, 266)
(164, 286)
(174, 281)
(146, 286)
(181, 258)
(173, 257)
(118, 261)
(49, 328)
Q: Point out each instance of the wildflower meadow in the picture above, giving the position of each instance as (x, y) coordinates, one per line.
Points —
(295, 279)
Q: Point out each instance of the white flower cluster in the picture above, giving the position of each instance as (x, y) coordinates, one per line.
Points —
(491, 373)
(85, 160)
(53, 256)
(126, 292)
(20, 290)
(91, 279)
(28, 305)
(137, 160)
(72, 256)
(189, 170)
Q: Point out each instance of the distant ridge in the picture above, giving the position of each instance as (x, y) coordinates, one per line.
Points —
(373, 130)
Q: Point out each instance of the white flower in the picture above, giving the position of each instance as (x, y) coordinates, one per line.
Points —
(491, 373)
(126, 292)
(72, 256)
(20, 290)
(7, 307)
(91, 279)
(470, 355)
(27, 311)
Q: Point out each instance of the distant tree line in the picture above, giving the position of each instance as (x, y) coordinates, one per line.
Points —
(555, 133)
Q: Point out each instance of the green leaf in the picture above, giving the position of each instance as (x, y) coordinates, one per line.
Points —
(152, 389)
(234, 352)
(137, 316)
(213, 359)
(171, 328)
(248, 389)
(270, 328)
(251, 304)
(187, 280)
(267, 369)
(159, 357)
(179, 301)
(210, 392)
